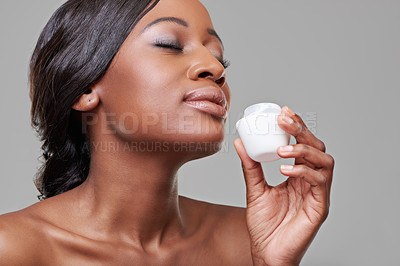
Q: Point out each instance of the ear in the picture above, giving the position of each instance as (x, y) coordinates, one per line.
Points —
(87, 101)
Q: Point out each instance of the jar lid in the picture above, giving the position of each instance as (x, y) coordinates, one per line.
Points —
(262, 108)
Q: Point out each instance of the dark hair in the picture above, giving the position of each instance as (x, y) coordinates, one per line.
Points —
(73, 51)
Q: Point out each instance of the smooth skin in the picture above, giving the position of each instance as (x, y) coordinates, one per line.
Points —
(128, 211)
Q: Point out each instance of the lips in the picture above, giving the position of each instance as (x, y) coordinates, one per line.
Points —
(210, 100)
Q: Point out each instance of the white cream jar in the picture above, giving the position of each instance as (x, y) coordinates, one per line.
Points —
(260, 132)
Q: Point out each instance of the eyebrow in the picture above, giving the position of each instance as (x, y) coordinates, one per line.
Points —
(182, 23)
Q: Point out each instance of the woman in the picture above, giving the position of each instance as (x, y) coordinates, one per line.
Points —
(119, 88)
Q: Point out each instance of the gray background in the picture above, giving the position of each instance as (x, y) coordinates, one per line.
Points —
(338, 60)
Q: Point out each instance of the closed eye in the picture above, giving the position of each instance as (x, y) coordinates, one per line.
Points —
(177, 47)
(224, 62)
(168, 45)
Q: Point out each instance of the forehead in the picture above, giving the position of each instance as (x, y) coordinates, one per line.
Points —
(191, 11)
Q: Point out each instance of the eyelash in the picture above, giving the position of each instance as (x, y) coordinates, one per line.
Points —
(173, 46)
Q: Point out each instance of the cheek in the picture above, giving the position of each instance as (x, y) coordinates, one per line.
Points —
(144, 83)
(144, 94)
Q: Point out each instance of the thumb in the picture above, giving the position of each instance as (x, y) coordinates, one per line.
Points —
(253, 173)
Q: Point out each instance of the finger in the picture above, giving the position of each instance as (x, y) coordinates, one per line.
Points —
(316, 179)
(313, 156)
(253, 173)
(294, 125)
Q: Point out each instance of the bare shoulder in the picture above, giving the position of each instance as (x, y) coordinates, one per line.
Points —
(231, 234)
(18, 237)
(229, 231)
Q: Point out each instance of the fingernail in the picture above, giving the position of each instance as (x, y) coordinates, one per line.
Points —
(287, 119)
(286, 167)
(289, 111)
(286, 148)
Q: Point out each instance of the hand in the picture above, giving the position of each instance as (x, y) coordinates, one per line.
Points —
(283, 220)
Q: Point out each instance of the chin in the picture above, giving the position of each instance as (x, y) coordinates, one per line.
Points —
(200, 150)
(211, 130)
(200, 145)
(197, 137)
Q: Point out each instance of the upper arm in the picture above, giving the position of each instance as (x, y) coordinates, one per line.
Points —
(15, 247)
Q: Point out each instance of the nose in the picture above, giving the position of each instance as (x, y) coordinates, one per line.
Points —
(206, 66)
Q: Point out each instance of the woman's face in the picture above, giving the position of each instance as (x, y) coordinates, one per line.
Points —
(167, 83)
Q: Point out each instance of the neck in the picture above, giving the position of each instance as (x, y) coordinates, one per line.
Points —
(133, 195)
